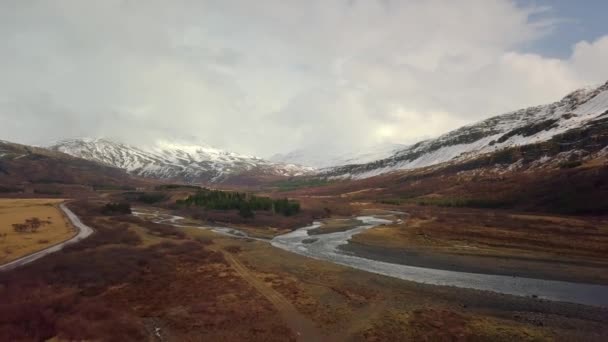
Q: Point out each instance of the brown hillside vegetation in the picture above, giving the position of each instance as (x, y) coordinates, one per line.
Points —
(21, 164)
(579, 190)
(109, 288)
(135, 280)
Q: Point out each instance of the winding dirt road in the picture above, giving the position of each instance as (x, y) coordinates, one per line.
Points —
(83, 232)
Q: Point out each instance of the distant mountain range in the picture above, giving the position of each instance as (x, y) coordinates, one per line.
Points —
(577, 124)
(179, 162)
(321, 157)
(574, 127)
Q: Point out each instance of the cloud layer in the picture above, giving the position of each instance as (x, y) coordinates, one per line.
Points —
(263, 77)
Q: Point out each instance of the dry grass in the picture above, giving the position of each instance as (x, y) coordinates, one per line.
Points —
(14, 245)
(351, 305)
(335, 225)
(115, 287)
(448, 325)
(502, 232)
(410, 233)
(556, 247)
(187, 290)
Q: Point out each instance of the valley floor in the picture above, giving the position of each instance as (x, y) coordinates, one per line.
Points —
(181, 284)
(492, 242)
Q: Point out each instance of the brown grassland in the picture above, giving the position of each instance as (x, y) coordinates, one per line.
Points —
(14, 245)
(334, 225)
(350, 305)
(114, 287)
(493, 241)
(138, 281)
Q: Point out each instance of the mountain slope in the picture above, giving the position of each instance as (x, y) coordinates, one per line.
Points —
(28, 164)
(189, 163)
(580, 109)
(320, 157)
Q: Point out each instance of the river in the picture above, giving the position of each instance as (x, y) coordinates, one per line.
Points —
(326, 247)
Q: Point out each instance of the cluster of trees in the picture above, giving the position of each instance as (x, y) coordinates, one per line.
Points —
(116, 208)
(570, 164)
(145, 197)
(177, 187)
(6, 188)
(47, 191)
(113, 187)
(245, 203)
(465, 202)
(30, 226)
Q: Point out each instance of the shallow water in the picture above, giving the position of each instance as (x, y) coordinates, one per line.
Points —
(326, 248)
(158, 217)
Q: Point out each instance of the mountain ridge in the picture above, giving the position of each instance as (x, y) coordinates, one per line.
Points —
(324, 159)
(24, 164)
(579, 109)
(172, 161)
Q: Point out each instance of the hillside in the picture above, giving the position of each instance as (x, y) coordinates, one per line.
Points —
(185, 163)
(21, 164)
(319, 157)
(575, 122)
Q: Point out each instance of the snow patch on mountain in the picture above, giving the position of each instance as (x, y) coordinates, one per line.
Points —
(323, 157)
(169, 160)
(521, 127)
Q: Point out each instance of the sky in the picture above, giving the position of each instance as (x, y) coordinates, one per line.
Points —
(273, 76)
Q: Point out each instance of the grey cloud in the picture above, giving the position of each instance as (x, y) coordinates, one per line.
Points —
(262, 77)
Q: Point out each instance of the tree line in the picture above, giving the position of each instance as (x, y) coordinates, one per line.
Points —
(245, 203)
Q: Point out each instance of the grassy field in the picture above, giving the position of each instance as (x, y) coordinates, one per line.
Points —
(351, 305)
(493, 241)
(17, 244)
(198, 285)
(344, 304)
(334, 225)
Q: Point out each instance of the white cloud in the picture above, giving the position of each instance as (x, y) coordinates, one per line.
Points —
(270, 76)
(589, 60)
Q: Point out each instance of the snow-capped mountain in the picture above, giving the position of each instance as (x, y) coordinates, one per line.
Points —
(166, 160)
(584, 109)
(23, 164)
(319, 157)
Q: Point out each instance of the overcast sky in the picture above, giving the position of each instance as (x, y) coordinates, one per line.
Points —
(269, 76)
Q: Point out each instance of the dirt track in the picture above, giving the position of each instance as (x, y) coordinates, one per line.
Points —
(302, 326)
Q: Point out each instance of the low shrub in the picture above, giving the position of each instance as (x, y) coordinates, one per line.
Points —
(163, 230)
(112, 187)
(145, 197)
(116, 208)
(106, 234)
(233, 249)
(205, 241)
(8, 189)
(177, 186)
(570, 164)
(53, 192)
(464, 202)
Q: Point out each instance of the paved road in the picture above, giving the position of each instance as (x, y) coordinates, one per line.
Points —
(83, 232)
